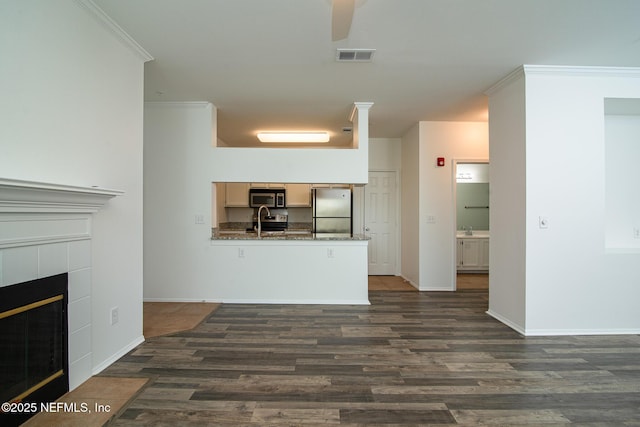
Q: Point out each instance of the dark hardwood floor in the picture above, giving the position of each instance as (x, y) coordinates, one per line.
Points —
(410, 358)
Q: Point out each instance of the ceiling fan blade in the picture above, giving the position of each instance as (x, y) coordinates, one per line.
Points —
(341, 17)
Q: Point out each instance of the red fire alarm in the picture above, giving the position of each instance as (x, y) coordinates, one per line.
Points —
(440, 161)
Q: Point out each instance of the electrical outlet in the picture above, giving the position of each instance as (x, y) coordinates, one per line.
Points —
(240, 252)
(636, 232)
(115, 316)
(330, 253)
(199, 219)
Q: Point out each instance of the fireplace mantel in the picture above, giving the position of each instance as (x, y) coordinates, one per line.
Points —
(18, 196)
(33, 213)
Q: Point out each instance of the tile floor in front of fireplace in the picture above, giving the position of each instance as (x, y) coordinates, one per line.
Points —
(410, 358)
(104, 397)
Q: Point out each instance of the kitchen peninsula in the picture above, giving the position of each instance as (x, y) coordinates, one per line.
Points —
(291, 268)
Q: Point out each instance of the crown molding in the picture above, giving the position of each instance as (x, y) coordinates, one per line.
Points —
(357, 106)
(516, 74)
(176, 104)
(111, 25)
(17, 196)
(564, 70)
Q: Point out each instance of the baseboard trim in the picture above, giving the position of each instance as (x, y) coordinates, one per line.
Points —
(578, 332)
(265, 301)
(109, 361)
(181, 300)
(444, 289)
(409, 282)
(560, 332)
(296, 301)
(518, 328)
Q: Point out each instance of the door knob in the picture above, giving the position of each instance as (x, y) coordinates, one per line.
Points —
(366, 229)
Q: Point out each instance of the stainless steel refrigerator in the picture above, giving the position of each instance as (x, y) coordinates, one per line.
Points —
(332, 211)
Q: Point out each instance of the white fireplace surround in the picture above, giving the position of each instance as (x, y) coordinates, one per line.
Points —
(45, 229)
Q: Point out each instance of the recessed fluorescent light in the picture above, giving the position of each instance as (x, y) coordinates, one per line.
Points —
(293, 136)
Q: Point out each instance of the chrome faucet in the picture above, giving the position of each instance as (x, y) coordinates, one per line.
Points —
(259, 230)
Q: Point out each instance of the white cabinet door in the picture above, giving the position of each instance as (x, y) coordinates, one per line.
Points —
(472, 254)
(237, 194)
(298, 195)
(484, 254)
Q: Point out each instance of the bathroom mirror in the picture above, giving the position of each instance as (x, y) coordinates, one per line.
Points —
(472, 196)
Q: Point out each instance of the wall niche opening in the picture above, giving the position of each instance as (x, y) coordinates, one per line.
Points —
(622, 194)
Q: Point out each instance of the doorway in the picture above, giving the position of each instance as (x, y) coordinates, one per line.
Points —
(472, 230)
(380, 222)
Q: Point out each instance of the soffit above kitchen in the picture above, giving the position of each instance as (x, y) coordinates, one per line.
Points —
(271, 65)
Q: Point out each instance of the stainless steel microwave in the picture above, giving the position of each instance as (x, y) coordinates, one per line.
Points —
(269, 197)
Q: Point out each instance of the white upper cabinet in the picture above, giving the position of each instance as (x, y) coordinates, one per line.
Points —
(298, 195)
(236, 194)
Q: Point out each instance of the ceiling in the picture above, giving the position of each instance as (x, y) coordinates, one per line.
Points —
(270, 64)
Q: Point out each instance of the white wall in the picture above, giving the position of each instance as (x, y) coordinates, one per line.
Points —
(437, 217)
(572, 284)
(385, 154)
(300, 165)
(507, 216)
(410, 207)
(177, 189)
(72, 114)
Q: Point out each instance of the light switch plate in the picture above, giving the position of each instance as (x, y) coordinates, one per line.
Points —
(543, 222)
(114, 315)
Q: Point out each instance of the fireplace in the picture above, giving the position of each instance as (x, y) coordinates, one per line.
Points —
(46, 230)
(34, 365)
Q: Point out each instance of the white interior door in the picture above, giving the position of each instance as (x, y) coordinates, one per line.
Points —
(380, 222)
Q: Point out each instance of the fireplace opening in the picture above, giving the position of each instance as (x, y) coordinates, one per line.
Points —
(34, 365)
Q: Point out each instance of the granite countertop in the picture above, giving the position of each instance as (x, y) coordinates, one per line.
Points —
(290, 234)
(476, 234)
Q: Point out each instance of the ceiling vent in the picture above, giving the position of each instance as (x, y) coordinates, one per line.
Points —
(354, 55)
